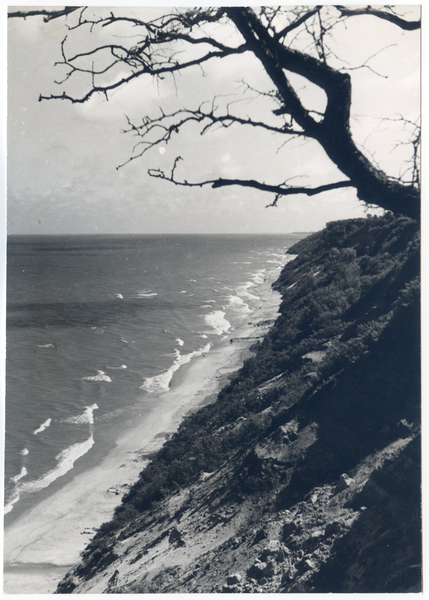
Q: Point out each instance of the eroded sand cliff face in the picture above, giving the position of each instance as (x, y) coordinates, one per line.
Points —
(304, 475)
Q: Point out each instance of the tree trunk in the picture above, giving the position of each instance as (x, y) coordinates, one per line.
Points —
(333, 132)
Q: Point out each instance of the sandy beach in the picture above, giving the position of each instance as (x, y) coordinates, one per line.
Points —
(43, 543)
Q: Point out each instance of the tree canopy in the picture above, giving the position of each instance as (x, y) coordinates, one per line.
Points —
(295, 47)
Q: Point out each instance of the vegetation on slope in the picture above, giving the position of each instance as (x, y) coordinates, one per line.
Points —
(343, 359)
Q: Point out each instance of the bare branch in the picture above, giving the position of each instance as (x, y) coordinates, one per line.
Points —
(366, 66)
(146, 70)
(414, 141)
(283, 33)
(48, 14)
(380, 14)
(161, 130)
(279, 190)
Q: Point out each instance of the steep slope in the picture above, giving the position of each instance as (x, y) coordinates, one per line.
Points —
(304, 475)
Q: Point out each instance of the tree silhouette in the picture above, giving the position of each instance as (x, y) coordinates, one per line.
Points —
(287, 41)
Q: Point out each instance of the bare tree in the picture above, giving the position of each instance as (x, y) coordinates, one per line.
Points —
(286, 41)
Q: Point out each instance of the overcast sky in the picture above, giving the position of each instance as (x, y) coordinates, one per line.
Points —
(62, 158)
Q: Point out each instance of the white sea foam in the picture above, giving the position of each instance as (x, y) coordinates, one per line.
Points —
(259, 278)
(13, 500)
(244, 291)
(183, 292)
(120, 296)
(86, 417)
(217, 322)
(161, 383)
(45, 346)
(101, 376)
(121, 367)
(237, 302)
(43, 426)
(146, 294)
(66, 460)
(20, 475)
(24, 451)
(15, 496)
(180, 342)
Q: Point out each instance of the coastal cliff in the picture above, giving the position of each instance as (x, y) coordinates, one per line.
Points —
(304, 474)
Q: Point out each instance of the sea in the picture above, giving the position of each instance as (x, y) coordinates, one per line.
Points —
(97, 327)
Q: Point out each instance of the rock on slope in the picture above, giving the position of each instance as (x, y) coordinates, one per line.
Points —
(304, 475)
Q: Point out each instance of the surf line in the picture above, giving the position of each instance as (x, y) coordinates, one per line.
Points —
(65, 460)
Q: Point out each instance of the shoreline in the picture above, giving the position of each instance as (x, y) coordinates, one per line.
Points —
(45, 542)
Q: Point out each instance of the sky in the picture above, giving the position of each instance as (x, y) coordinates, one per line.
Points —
(62, 159)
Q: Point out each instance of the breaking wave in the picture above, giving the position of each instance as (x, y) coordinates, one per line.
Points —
(238, 303)
(217, 322)
(101, 376)
(43, 426)
(86, 417)
(161, 383)
(20, 475)
(146, 294)
(66, 460)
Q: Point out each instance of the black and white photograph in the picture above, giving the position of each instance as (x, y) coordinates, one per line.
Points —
(213, 328)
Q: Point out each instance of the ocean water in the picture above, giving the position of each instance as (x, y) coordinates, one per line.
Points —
(97, 326)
